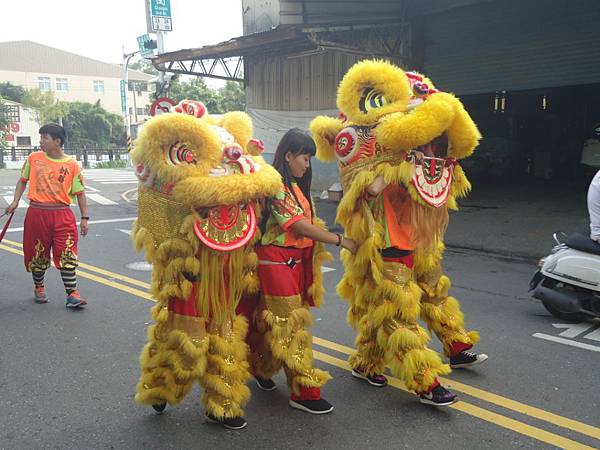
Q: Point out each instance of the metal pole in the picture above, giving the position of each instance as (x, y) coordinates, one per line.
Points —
(126, 58)
(160, 46)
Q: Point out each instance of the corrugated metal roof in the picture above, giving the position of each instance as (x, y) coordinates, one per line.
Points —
(28, 56)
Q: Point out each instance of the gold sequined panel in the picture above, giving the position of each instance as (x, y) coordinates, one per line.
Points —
(397, 273)
(431, 277)
(39, 262)
(225, 330)
(160, 214)
(282, 306)
(194, 327)
(347, 173)
(68, 259)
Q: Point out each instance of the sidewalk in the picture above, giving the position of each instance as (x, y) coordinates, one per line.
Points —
(514, 220)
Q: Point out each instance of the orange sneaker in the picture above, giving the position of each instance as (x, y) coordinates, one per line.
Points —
(39, 295)
(74, 300)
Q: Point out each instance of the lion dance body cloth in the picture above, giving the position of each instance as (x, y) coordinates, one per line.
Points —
(397, 126)
(198, 206)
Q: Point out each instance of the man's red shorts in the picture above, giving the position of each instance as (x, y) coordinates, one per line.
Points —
(50, 228)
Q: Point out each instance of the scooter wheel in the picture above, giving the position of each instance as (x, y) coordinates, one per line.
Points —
(159, 407)
(572, 317)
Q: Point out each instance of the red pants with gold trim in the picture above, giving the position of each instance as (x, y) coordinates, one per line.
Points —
(281, 337)
(49, 229)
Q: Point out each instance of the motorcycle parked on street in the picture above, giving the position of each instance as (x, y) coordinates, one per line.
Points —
(568, 280)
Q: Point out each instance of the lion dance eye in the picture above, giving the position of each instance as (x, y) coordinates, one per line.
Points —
(372, 99)
(178, 154)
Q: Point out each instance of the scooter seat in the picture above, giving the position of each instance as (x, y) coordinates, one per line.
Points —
(583, 243)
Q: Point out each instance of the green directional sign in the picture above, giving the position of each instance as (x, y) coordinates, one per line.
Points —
(123, 98)
(145, 50)
(161, 8)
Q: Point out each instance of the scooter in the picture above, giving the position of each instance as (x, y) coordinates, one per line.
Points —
(568, 279)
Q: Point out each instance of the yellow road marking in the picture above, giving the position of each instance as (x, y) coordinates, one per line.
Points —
(499, 400)
(476, 411)
(95, 278)
(117, 276)
(473, 410)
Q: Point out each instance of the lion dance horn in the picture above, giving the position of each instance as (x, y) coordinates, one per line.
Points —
(190, 107)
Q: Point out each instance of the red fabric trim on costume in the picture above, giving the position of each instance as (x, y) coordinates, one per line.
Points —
(185, 307)
(286, 226)
(408, 260)
(281, 280)
(458, 347)
(308, 393)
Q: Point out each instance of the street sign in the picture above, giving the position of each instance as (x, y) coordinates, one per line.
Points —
(158, 15)
(145, 52)
(161, 106)
(123, 97)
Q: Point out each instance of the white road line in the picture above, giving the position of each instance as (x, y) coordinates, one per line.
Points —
(125, 219)
(572, 330)
(125, 231)
(100, 199)
(9, 200)
(119, 182)
(594, 335)
(327, 269)
(560, 340)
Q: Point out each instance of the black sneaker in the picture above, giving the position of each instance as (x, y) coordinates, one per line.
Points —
(266, 384)
(159, 407)
(320, 406)
(467, 359)
(439, 396)
(376, 380)
(232, 423)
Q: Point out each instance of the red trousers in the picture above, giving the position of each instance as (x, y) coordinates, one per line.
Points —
(50, 229)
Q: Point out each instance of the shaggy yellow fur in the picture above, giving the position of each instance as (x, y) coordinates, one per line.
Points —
(208, 348)
(386, 301)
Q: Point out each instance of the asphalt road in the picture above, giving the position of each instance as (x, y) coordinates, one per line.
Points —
(67, 377)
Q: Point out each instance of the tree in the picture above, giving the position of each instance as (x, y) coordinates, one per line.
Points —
(143, 65)
(232, 97)
(45, 107)
(87, 123)
(196, 90)
(12, 92)
(4, 122)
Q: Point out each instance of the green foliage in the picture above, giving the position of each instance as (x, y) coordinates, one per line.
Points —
(228, 98)
(232, 97)
(4, 122)
(45, 107)
(117, 163)
(87, 123)
(12, 92)
(143, 65)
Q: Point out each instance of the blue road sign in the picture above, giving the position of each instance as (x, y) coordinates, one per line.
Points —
(123, 97)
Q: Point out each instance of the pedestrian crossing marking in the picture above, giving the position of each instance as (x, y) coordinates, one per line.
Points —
(100, 199)
(9, 200)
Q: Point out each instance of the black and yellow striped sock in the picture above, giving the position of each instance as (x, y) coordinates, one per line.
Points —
(69, 280)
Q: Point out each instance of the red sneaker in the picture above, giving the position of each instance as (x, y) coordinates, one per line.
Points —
(39, 295)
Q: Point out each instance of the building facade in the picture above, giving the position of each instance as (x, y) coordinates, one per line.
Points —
(74, 78)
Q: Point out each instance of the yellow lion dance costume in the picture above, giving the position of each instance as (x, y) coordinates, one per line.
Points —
(388, 118)
(198, 193)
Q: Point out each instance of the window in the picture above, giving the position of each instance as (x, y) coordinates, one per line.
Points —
(12, 113)
(137, 85)
(130, 111)
(62, 84)
(140, 111)
(99, 86)
(44, 83)
(24, 140)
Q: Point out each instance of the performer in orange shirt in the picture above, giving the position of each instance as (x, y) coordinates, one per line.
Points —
(54, 181)
(289, 268)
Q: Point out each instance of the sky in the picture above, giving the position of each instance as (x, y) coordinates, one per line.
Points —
(99, 28)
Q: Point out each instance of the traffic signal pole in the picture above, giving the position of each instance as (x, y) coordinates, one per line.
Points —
(126, 117)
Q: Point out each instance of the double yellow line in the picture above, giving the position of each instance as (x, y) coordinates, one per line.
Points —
(108, 278)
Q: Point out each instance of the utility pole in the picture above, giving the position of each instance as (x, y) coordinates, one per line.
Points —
(126, 117)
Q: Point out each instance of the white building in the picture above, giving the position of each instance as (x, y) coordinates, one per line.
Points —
(73, 77)
(23, 127)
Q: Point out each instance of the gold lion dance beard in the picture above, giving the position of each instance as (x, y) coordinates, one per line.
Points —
(429, 225)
